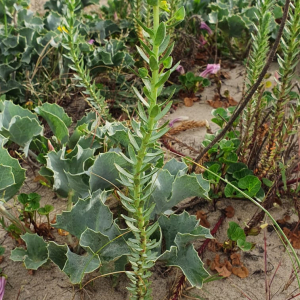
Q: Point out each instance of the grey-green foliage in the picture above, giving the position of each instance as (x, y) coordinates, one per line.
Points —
(171, 185)
(90, 220)
(12, 175)
(59, 6)
(239, 18)
(14, 119)
(113, 53)
(179, 232)
(152, 190)
(23, 39)
(103, 241)
(57, 119)
(36, 253)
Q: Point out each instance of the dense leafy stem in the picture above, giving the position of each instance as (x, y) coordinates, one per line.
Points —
(71, 35)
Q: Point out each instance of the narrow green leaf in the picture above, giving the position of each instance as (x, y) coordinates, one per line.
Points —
(167, 53)
(142, 54)
(164, 111)
(153, 63)
(163, 78)
(124, 172)
(160, 34)
(164, 45)
(154, 111)
(140, 97)
(148, 30)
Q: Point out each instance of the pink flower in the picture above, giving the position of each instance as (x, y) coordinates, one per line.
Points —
(116, 16)
(180, 69)
(210, 69)
(91, 42)
(2, 286)
(206, 27)
(50, 148)
(179, 119)
(202, 40)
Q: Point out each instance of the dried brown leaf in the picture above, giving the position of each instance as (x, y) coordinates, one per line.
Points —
(40, 178)
(236, 259)
(215, 104)
(201, 215)
(223, 271)
(214, 246)
(231, 101)
(241, 272)
(229, 210)
(224, 75)
(188, 102)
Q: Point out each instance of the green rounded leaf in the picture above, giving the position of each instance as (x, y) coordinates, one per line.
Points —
(235, 232)
(251, 184)
(46, 210)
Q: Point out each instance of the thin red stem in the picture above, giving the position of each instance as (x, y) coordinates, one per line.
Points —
(293, 297)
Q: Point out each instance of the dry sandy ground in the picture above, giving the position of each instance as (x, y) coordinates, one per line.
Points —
(49, 283)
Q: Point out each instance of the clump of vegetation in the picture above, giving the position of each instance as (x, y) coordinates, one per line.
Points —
(125, 62)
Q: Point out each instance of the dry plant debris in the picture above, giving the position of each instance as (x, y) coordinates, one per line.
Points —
(219, 101)
(187, 125)
(226, 268)
(229, 211)
(202, 216)
(293, 236)
(189, 101)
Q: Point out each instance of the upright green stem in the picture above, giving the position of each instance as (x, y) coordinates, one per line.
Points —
(142, 284)
(94, 97)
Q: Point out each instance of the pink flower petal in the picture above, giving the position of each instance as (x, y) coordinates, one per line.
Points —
(179, 119)
(210, 69)
(204, 26)
(180, 69)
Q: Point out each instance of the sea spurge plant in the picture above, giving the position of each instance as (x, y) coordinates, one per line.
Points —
(252, 116)
(70, 32)
(283, 124)
(143, 151)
